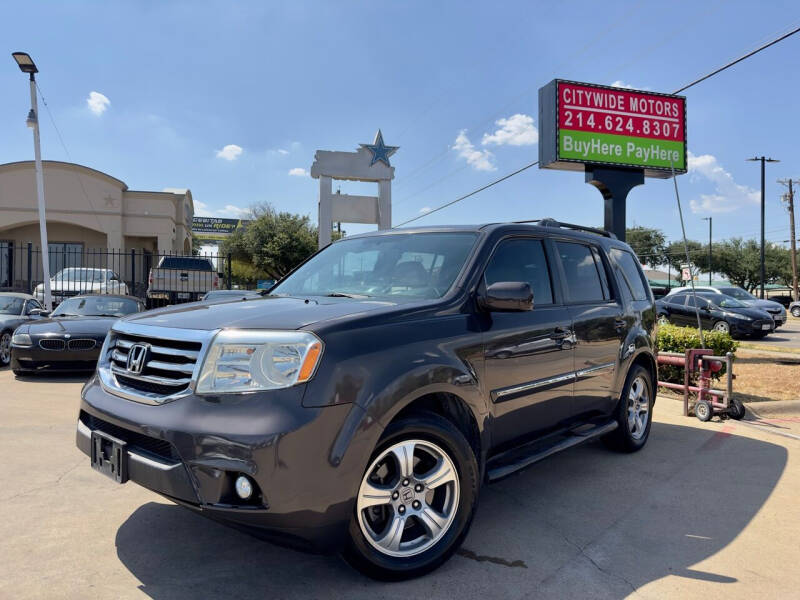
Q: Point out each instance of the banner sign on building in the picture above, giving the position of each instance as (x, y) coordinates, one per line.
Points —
(582, 123)
(213, 228)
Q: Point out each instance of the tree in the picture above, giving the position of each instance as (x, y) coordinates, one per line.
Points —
(648, 243)
(740, 261)
(273, 242)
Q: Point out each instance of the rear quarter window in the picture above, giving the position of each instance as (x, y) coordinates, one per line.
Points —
(630, 274)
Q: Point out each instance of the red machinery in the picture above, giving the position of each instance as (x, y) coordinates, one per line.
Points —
(709, 401)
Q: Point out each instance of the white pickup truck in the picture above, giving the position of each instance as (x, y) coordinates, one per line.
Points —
(181, 279)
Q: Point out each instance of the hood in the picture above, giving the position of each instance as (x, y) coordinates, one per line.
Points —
(752, 312)
(91, 326)
(270, 312)
(769, 305)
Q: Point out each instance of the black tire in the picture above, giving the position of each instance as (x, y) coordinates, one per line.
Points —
(703, 411)
(736, 410)
(622, 439)
(796, 311)
(723, 326)
(360, 554)
(5, 339)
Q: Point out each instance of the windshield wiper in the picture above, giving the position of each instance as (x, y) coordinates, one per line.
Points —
(344, 295)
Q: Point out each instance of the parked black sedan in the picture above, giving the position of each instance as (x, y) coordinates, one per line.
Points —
(717, 311)
(70, 340)
(15, 309)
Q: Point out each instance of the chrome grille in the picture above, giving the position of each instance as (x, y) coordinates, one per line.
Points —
(81, 344)
(167, 368)
(52, 344)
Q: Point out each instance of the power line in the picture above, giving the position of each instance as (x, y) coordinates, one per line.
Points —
(679, 90)
(472, 193)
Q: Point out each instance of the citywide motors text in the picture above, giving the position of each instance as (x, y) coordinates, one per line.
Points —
(638, 151)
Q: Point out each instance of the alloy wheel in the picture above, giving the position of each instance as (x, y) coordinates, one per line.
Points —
(408, 498)
(638, 408)
(5, 349)
(722, 326)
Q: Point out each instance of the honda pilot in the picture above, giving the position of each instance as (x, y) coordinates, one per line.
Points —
(361, 404)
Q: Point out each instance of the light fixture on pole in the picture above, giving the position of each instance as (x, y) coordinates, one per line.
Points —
(762, 160)
(709, 219)
(26, 65)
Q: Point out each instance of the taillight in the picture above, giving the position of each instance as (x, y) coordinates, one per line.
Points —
(150, 278)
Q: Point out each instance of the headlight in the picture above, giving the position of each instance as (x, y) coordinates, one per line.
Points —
(21, 339)
(249, 361)
(741, 317)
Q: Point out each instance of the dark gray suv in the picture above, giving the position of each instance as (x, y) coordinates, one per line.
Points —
(362, 404)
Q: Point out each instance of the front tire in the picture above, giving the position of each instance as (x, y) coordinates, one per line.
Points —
(416, 500)
(722, 326)
(634, 412)
(796, 311)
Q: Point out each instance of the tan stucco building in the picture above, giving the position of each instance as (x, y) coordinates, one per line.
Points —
(92, 219)
(91, 208)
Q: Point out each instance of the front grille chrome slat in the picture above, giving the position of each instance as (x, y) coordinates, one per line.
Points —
(52, 344)
(155, 379)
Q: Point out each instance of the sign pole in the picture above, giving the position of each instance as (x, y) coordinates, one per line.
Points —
(614, 185)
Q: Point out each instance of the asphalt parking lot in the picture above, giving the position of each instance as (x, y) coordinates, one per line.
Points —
(787, 336)
(705, 511)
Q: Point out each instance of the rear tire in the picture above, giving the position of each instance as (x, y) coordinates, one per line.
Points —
(5, 348)
(796, 311)
(722, 326)
(425, 486)
(634, 412)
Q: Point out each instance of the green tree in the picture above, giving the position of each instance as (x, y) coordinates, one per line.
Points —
(648, 243)
(273, 242)
(740, 261)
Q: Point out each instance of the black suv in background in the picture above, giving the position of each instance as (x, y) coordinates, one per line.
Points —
(362, 404)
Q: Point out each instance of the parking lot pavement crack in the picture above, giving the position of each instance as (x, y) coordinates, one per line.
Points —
(496, 560)
(44, 486)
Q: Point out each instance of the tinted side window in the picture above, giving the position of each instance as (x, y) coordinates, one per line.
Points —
(522, 260)
(582, 273)
(677, 299)
(630, 273)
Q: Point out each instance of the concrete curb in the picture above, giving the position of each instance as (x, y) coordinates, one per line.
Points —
(774, 408)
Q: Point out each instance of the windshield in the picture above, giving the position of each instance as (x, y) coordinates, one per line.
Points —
(105, 306)
(10, 305)
(726, 301)
(737, 293)
(397, 266)
(80, 275)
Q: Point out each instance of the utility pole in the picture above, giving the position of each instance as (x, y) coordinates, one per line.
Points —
(763, 160)
(709, 219)
(789, 198)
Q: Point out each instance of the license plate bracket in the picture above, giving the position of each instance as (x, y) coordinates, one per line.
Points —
(766, 327)
(109, 456)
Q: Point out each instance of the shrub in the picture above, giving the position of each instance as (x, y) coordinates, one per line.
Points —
(679, 339)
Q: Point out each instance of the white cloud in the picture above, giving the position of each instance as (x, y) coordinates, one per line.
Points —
(425, 210)
(627, 86)
(201, 209)
(516, 130)
(728, 195)
(97, 103)
(480, 160)
(282, 151)
(230, 152)
(298, 172)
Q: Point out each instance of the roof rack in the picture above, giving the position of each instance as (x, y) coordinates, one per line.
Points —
(547, 222)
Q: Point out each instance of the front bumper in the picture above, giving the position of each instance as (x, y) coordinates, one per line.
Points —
(33, 358)
(191, 450)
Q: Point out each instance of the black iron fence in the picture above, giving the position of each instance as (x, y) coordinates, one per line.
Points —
(157, 278)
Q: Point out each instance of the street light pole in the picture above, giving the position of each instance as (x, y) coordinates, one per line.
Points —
(709, 219)
(26, 65)
(763, 160)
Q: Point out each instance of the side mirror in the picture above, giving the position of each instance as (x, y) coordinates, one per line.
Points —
(38, 312)
(507, 296)
(705, 308)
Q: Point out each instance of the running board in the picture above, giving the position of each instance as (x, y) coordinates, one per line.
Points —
(515, 459)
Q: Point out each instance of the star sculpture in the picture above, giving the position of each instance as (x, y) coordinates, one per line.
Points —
(380, 151)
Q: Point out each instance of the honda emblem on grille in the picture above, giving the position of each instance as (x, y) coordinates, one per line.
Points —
(137, 356)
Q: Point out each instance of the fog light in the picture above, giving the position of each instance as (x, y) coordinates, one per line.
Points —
(244, 488)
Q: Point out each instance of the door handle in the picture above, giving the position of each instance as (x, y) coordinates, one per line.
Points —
(619, 323)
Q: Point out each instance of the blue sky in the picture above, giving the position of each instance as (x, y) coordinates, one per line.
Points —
(154, 92)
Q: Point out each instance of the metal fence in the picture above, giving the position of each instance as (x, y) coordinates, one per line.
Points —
(77, 270)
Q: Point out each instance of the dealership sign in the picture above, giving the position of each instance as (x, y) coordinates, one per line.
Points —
(584, 124)
(213, 228)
